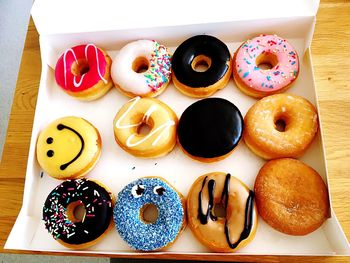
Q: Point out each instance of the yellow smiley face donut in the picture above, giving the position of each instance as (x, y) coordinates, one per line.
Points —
(140, 112)
(68, 148)
(232, 228)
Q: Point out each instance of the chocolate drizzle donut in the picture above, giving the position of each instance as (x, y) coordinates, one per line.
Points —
(210, 129)
(62, 224)
(248, 218)
(201, 50)
(232, 229)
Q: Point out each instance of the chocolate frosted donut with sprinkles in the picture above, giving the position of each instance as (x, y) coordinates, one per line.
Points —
(141, 228)
(265, 65)
(142, 68)
(71, 228)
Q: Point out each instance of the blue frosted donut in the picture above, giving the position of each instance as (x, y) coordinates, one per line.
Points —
(128, 219)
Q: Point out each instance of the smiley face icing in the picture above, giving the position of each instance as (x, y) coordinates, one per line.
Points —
(68, 148)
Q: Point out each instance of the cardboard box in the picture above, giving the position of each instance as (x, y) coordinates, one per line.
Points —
(112, 24)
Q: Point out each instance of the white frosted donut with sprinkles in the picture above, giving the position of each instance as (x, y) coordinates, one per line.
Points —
(142, 68)
(265, 65)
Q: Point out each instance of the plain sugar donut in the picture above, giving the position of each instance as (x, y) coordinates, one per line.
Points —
(291, 196)
(280, 125)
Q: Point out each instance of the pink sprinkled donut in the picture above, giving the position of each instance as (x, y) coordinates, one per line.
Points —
(84, 72)
(265, 65)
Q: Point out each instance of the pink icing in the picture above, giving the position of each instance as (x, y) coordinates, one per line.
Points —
(272, 79)
(97, 68)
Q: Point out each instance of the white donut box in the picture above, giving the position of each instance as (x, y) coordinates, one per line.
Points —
(110, 25)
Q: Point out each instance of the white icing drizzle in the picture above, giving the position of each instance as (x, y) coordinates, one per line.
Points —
(75, 83)
(145, 118)
(164, 126)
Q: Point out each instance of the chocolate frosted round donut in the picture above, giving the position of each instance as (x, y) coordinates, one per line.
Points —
(59, 212)
(198, 51)
(210, 129)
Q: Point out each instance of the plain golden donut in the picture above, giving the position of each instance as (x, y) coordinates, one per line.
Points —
(280, 125)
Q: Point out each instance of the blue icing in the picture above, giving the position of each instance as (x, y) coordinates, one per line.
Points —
(153, 236)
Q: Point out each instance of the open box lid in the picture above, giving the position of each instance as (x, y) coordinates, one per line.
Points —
(66, 16)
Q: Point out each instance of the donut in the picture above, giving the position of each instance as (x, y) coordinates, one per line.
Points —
(235, 226)
(68, 148)
(210, 129)
(268, 50)
(201, 51)
(280, 125)
(150, 112)
(129, 217)
(84, 72)
(142, 68)
(61, 221)
(291, 196)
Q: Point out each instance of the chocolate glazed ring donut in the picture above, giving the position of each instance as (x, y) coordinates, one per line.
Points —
(61, 221)
(210, 129)
(205, 51)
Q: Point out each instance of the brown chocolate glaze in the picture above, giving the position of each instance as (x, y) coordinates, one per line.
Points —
(210, 128)
(249, 209)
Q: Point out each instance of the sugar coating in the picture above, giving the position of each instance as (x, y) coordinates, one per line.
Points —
(151, 236)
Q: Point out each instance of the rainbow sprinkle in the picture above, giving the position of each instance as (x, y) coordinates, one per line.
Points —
(160, 67)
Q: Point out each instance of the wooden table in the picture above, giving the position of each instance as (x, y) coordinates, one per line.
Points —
(330, 51)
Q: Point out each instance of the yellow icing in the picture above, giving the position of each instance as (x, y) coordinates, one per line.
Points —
(66, 145)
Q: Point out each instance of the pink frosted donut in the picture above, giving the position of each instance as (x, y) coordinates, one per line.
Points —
(84, 72)
(265, 65)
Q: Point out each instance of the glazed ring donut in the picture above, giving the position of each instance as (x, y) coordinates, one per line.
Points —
(265, 49)
(196, 51)
(60, 218)
(210, 129)
(291, 196)
(131, 222)
(138, 112)
(226, 232)
(84, 72)
(142, 68)
(280, 125)
(68, 148)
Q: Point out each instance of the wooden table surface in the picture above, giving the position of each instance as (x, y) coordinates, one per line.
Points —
(330, 51)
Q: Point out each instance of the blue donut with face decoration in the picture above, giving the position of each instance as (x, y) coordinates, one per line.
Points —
(128, 214)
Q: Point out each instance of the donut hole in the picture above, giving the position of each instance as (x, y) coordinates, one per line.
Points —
(80, 67)
(140, 65)
(280, 123)
(149, 213)
(219, 210)
(201, 63)
(76, 211)
(266, 61)
(144, 129)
